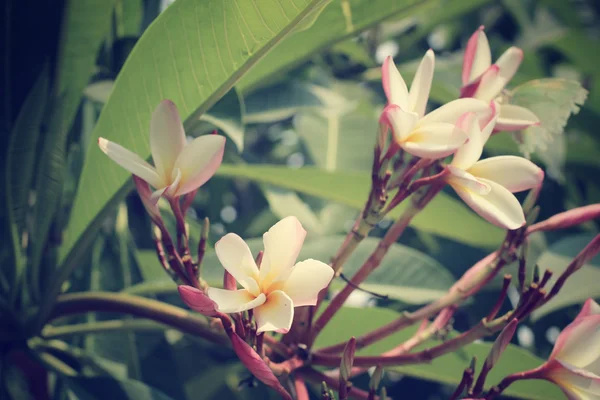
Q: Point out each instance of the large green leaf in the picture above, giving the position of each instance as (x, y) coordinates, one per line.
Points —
(193, 53)
(446, 369)
(86, 388)
(444, 216)
(404, 274)
(581, 285)
(332, 26)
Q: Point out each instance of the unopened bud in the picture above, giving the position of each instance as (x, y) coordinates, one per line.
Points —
(376, 378)
(347, 359)
(256, 365)
(229, 282)
(502, 341)
(197, 300)
(567, 219)
(150, 205)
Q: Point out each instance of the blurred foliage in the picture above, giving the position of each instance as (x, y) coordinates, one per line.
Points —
(295, 85)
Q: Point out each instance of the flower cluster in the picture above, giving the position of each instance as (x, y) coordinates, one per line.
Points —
(462, 128)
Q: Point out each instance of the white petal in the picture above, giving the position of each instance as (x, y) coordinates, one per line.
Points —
(450, 112)
(199, 161)
(507, 65)
(578, 342)
(305, 282)
(131, 162)
(478, 57)
(237, 259)
(462, 178)
(393, 84)
(232, 301)
(487, 87)
(515, 118)
(401, 122)
(282, 245)
(276, 314)
(471, 151)
(576, 383)
(167, 137)
(421, 84)
(436, 140)
(499, 206)
(514, 173)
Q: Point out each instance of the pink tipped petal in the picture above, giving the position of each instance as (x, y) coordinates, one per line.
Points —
(465, 180)
(401, 122)
(450, 112)
(276, 314)
(515, 118)
(232, 301)
(435, 140)
(131, 162)
(282, 243)
(256, 365)
(499, 207)
(167, 137)
(577, 384)
(487, 89)
(478, 57)
(197, 300)
(509, 63)
(514, 173)
(237, 259)
(577, 344)
(421, 84)
(393, 84)
(590, 307)
(469, 153)
(199, 161)
(305, 282)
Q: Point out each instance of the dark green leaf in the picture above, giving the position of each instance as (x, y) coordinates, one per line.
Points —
(107, 388)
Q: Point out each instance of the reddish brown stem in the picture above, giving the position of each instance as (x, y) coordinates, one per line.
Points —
(317, 377)
(498, 305)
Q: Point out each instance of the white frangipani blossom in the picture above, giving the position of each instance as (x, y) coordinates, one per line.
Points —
(485, 81)
(279, 285)
(434, 135)
(487, 186)
(179, 167)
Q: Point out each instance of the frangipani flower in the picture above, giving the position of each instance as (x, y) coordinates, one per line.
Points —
(279, 285)
(574, 364)
(434, 135)
(487, 186)
(484, 81)
(179, 167)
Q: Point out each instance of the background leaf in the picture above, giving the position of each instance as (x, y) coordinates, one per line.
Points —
(101, 387)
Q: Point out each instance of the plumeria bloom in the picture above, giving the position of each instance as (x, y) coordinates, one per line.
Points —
(487, 186)
(179, 167)
(279, 285)
(574, 364)
(434, 135)
(485, 81)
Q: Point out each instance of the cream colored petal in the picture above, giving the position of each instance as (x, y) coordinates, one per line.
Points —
(487, 87)
(421, 84)
(401, 122)
(477, 58)
(577, 384)
(393, 84)
(499, 207)
(465, 180)
(471, 151)
(507, 65)
(131, 162)
(167, 137)
(232, 301)
(199, 161)
(515, 118)
(237, 259)
(306, 280)
(435, 140)
(514, 173)
(578, 342)
(450, 112)
(282, 245)
(276, 314)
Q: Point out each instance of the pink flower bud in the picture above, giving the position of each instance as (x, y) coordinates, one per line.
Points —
(197, 300)
(502, 341)
(229, 282)
(567, 219)
(256, 365)
(347, 359)
(150, 204)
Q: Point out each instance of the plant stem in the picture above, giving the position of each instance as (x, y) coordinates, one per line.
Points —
(54, 332)
(317, 377)
(182, 320)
